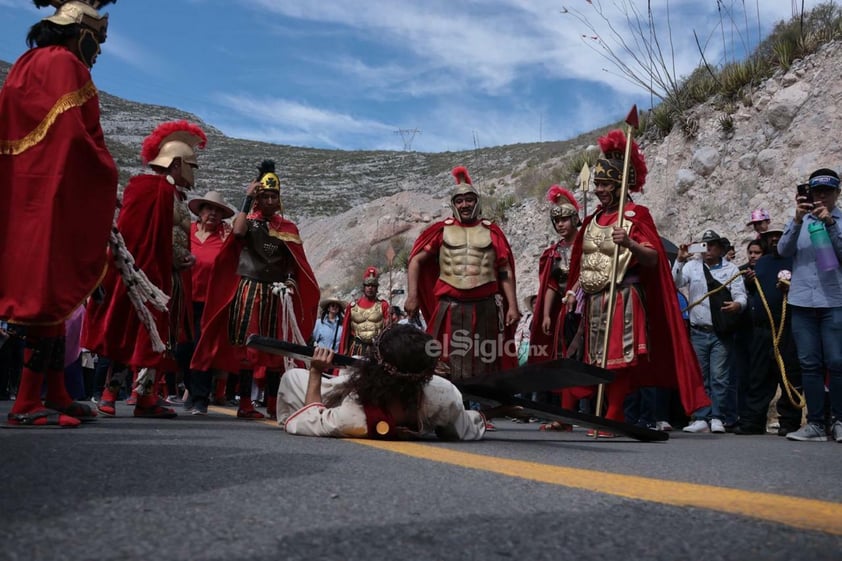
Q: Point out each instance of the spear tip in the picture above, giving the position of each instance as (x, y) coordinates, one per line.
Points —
(632, 119)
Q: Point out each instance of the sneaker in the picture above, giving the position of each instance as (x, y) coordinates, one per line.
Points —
(716, 426)
(200, 408)
(663, 426)
(697, 426)
(809, 432)
(836, 431)
(489, 426)
(173, 400)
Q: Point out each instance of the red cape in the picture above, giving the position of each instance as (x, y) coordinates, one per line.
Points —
(672, 360)
(59, 188)
(537, 337)
(113, 327)
(345, 344)
(429, 274)
(214, 349)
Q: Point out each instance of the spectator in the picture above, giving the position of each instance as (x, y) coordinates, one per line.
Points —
(764, 374)
(759, 221)
(327, 332)
(815, 298)
(712, 345)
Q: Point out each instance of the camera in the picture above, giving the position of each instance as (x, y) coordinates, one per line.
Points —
(700, 247)
(804, 191)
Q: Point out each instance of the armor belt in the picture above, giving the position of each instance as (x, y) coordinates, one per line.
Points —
(597, 257)
(467, 256)
(366, 323)
(264, 258)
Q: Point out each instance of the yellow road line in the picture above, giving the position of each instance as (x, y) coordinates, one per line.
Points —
(807, 514)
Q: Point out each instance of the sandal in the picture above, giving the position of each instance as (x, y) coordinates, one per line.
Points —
(44, 419)
(556, 426)
(602, 434)
(81, 411)
(251, 414)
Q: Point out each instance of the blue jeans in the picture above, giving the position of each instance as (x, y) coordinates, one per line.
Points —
(818, 341)
(712, 352)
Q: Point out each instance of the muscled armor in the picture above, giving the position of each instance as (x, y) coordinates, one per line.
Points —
(180, 231)
(366, 323)
(264, 258)
(597, 255)
(467, 257)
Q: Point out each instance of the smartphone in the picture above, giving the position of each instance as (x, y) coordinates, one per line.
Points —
(804, 191)
(700, 247)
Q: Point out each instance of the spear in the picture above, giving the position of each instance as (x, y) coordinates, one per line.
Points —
(584, 185)
(632, 122)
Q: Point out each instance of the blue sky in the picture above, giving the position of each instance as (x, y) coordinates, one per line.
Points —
(350, 74)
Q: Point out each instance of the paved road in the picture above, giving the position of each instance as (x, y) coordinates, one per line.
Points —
(219, 488)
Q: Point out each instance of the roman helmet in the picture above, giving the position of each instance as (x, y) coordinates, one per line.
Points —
(269, 180)
(175, 139)
(371, 277)
(609, 167)
(563, 204)
(93, 25)
(464, 186)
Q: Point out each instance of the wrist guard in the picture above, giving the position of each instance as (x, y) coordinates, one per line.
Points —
(247, 204)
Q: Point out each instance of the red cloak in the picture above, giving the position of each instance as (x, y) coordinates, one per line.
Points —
(58, 190)
(429, 276)
(672, 360)
(214, 349)
(113, 328)
(537, 338)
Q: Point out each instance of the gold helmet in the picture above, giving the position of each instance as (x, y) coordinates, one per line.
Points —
(93, 25)
(562, 204)
(176, 139)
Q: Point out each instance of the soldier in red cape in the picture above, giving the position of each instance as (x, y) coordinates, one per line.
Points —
(155, 224)
(648, 344)
(364, 317)
(261, 284)
(461, 276)
(58, 196)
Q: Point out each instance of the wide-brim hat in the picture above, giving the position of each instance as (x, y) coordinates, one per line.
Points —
(710, 236)
(775, 227)
(328, 301)
(213, 198)
(758, 215)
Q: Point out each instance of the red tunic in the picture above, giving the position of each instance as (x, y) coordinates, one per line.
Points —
(431, 288)
(59, 188)
(113, 328)
(672, 361)
(214, 349)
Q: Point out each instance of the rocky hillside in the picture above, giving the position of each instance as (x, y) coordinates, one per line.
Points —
(352, 205)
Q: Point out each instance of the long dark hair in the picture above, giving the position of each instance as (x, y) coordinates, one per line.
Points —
(404, 368)
(46, 34)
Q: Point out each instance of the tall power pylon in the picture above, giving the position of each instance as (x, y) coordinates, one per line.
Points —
(407, 135)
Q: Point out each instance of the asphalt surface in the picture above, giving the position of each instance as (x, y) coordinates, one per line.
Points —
(220, 488)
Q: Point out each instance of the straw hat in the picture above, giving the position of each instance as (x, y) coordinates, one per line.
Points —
(328, 301)
(211, 198)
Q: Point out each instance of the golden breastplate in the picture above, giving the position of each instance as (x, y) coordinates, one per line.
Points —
(467, 256)
(366, 323)
(597, 255)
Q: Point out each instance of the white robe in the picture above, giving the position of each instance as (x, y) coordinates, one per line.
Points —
(441, 410)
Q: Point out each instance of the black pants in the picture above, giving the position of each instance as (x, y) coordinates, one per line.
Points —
(198, 383)
(764, 375)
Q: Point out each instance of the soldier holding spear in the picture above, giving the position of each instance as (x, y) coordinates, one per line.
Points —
(620, 263)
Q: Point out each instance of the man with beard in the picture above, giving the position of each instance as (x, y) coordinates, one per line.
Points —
(766, 287)
(364, 317)
(461, 276)
(647, 345)
(57, 201)
(262, 284)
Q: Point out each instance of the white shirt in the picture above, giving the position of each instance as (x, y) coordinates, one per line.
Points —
(692, 274)
(441, 410)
